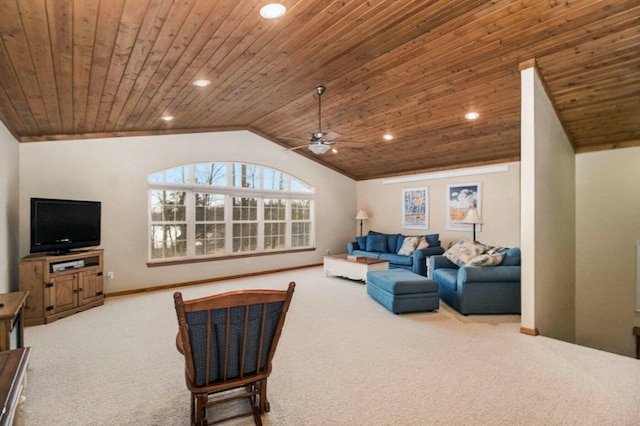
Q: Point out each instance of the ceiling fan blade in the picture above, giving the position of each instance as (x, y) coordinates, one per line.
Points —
(331, 136)
(296, 147)
(351, 144)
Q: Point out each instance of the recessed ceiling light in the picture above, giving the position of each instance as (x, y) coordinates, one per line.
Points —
(201, 83)
(335, 151)
(168, 117)
(387, 137)
(471, 115)
(272, 11)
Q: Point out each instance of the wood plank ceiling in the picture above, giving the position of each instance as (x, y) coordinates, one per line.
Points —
(412, 68)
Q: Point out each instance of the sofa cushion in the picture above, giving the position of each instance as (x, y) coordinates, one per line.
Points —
(362, 242)
(377, 242)
(392, 242)
(397, 259)
(433, 239)
(462, 252)
(408, 246)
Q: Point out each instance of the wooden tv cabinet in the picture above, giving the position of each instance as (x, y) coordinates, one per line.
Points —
(61, 285)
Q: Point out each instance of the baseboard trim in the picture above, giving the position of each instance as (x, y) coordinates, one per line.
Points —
(529, 331)
(205, 281)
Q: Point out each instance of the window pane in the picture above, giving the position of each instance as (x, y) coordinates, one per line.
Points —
(300, 209)
(274, 180)
(245, 209)
(210, 239)
(245, 176)
(211, 174)
(300, 234)
(275, 209)
(175, 175)
(156, 177)
(209, 207)
(297, 186)
(168, 241)
(274, 235)
(245, 237)
(168, 206)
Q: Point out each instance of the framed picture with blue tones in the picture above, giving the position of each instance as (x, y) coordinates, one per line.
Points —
(415, 208)
(460, 198)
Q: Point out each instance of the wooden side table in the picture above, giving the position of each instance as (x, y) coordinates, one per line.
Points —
(11, 320)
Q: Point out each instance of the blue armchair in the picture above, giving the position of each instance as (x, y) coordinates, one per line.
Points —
(479, 289)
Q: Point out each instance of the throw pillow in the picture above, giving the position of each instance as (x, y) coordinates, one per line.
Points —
(422, 243)
(486, 260)
(408, 246)
(362, 242)
(377, 242)
(462, 252)
(496, 249)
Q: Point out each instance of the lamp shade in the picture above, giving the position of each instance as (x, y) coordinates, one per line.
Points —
(472, 217)
(362, 215)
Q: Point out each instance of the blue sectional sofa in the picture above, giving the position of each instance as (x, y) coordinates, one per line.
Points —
(479, 289)
(386, 246)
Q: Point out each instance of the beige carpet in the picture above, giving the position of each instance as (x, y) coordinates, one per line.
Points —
(343, 360)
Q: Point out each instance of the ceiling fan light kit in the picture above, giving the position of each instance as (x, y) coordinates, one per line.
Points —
(319, 148)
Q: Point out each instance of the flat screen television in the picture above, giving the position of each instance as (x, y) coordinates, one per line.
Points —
(59, 226)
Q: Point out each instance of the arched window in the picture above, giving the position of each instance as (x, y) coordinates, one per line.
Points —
(225, 209)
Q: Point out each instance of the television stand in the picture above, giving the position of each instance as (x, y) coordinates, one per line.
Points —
(61, 285)
(65, 252)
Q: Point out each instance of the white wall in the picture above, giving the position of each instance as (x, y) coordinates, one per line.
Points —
(500, 193)
(115, 171)
(548, 220)
(9, 154)
(608, 228)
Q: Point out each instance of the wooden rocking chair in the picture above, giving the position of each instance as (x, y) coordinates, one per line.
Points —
(228, 341)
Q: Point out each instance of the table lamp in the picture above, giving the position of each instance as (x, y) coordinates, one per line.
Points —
(474, 219)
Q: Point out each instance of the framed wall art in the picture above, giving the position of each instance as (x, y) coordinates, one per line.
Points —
(415, 208)
(461, 198)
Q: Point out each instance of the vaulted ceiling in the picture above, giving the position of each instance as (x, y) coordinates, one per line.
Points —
(411, 68)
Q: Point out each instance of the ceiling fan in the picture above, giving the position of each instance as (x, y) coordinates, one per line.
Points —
(320, 142)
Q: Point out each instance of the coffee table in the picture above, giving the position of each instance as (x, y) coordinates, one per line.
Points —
(340, 265)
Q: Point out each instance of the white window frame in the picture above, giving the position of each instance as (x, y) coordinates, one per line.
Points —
(229, 192)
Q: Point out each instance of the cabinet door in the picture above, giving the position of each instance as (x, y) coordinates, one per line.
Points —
(89, 286)
(62, 294)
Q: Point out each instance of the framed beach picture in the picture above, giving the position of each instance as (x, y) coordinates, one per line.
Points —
(460, 198)
(415, 208)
